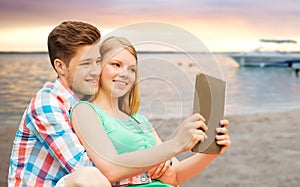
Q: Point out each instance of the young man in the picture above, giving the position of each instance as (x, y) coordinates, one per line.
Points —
(46, 151)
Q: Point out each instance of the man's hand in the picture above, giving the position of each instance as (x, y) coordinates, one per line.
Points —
(164, 173)
(169, 177)
(159, 170)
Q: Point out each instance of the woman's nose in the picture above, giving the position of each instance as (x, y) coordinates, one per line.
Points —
(124, 73)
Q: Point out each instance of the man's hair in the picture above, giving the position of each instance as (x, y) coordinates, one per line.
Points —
(65, 39)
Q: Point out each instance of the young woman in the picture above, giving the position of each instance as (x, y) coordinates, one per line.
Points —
(123, 144)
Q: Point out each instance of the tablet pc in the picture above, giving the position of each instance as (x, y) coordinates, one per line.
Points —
(209, 101)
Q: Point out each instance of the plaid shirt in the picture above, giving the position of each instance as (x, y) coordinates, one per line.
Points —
(45, 147)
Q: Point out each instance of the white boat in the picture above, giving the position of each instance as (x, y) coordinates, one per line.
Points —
(263, 58)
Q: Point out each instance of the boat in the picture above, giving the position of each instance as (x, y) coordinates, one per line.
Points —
(263, 58)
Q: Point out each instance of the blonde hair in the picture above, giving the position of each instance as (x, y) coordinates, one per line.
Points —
(130, 102)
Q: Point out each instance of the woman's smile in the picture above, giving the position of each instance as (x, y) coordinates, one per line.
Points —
(120, 83)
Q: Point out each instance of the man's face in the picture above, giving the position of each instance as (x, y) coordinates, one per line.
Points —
(82, 75)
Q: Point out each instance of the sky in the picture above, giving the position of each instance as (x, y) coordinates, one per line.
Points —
(222, 25)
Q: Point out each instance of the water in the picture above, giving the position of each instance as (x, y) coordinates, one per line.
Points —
(167, 82)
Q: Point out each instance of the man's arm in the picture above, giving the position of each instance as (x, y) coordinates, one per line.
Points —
(53, 129)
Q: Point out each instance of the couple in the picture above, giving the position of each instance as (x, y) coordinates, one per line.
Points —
(46, 150)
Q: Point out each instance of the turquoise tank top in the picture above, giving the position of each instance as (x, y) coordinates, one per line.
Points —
(128, 135)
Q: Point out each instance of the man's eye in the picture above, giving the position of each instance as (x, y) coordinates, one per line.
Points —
(84, 64)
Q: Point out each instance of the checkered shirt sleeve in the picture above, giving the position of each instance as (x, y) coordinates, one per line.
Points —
(45, 147)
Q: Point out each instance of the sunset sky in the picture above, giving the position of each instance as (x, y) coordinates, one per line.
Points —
(222, 25)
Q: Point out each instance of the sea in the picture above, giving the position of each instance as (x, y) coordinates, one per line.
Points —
(166, 81)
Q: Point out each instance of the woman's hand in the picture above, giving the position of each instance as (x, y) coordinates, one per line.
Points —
(190, 132)
(222, 137)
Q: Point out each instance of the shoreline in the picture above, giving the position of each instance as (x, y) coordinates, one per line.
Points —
(264, 151)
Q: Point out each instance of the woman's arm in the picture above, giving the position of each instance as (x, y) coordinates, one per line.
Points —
(91, 133)
(186, 168)
(193, 165)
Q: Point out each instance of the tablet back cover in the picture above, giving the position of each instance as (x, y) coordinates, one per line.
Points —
(209, 101)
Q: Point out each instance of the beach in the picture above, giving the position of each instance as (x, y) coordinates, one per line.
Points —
(265, 151)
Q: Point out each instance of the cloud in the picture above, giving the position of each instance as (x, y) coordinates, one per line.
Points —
(211, 19)
(41, 12)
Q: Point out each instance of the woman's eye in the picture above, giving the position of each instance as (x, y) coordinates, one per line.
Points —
(133, 70)
(116, 64)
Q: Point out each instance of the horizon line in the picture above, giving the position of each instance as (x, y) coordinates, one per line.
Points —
(141, 52)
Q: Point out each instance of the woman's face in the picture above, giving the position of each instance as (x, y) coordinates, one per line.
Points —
(118, 73)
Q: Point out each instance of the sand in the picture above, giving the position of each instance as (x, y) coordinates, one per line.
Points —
(265, 152)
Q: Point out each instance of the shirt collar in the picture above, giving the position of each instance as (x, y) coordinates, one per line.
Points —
(64, 91)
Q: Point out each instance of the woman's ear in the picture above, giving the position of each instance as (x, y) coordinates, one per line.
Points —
(60, 67)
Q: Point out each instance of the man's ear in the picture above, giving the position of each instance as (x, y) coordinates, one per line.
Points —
(60, 67)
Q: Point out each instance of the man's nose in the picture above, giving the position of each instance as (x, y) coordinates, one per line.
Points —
(95, 69)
